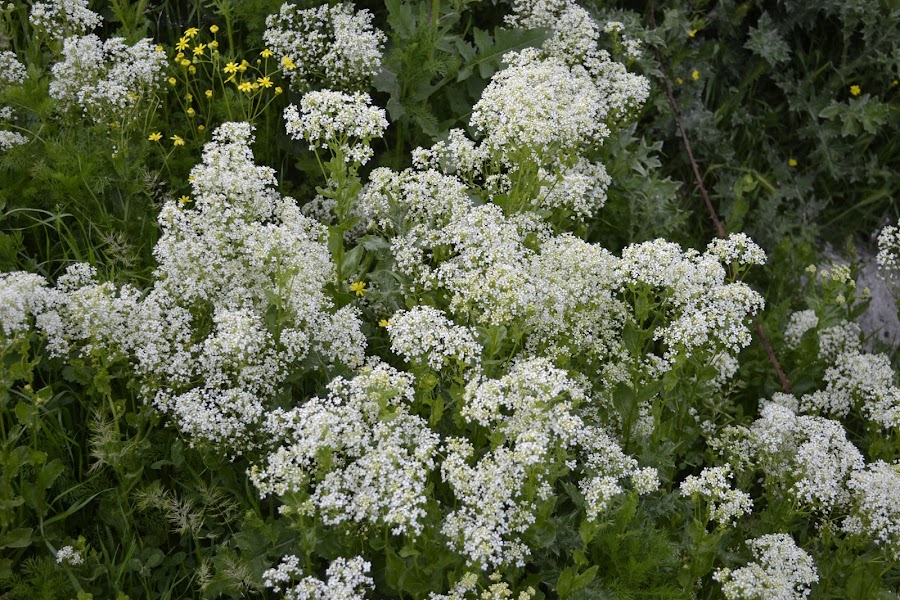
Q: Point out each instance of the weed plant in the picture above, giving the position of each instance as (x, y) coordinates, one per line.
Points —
(447, 299)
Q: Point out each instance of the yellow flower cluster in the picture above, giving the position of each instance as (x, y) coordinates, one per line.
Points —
(213, 86)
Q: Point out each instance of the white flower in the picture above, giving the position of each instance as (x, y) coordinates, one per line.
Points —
(782, 571)
(799, 323)
(69, 555)
(346, 580)
(22, 295)
(424, 335)
(61, 18)
(876, 505)
(12, 71)
(332, 44)
(105, 79)
(888, 257)
(340, 121)
(725, 503)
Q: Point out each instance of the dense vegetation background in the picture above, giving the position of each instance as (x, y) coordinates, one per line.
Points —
(774, 119)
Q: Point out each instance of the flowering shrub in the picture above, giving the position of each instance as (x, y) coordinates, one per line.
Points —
(399, 329)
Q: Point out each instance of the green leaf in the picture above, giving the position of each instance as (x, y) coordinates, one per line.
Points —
(571, 581)
(16, 538)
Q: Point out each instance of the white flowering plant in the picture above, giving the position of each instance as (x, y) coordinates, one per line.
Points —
(427, 323)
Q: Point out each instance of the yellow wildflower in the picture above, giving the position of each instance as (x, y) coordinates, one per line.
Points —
(159, 48)
(384, 323)
(695, 75)
(692, 33)
(179, 56)
(209, 93)
(177, 140)
(188, 97)
(213, 45)
(287, 63)
(266, 53)
(264, 82)
(359, 287)
(191, 32)
(192, 69)
(185, 62)
(182, 44)
(201, 127)
(198, 49)
(278, 90)
(245, 86)
(184, 199)
(213, 28)
(855, 90)
(792, 162)
(231, 68)
(190, 111)
(155, 136)
(679, 80)
(172, 81)
(243, 66)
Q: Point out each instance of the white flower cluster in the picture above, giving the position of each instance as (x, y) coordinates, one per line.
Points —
(467, 588)
(12, 71)
(808, 457)
(331, 44)
(106, 79)
(347, 579)
(854, 379)
(888, 257)
(631, 46)
(799, 323)
(575, 42)
(69, 555)
(782, 571)
(580, 189)
(61, 18)
(539, 109)
(11, 139)
(532, 409)
(21, 295)
(380, 455)
(704, 310)
(424, 335)
(876, 505)
(712, 485)
(347, 122)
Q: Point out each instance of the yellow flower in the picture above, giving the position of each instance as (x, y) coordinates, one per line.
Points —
(692, 33)
(792, 162)
(172, 81)
(213, 45)
(287, 63)
(695, 75)
(264, 82)
(188, 97)
(894, 83)
(231, 68)
(266, 53)
(855, 90)
(179, 56)
(278, 90)
(679, 80)
(359, 287)
(177, 140)
(159, 48)
(243, 66)
(384, 323)
(201, 127)
(213, 28)
(198, 49)
(155, 136)
(185, 62)
(209, 93)
(191, 32)
(245, 86)
(184, 199)
(190, 111)
(192, 69)
(182, 44)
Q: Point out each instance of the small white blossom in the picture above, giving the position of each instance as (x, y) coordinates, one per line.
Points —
(725, 503)
(876, 505)
(799, 323)
(70, 556)
(424, 335)
(346, 580)
(334, 45)
(782, 571)
(61, 18)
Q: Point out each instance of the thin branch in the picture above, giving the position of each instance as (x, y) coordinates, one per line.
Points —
(720, 229)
